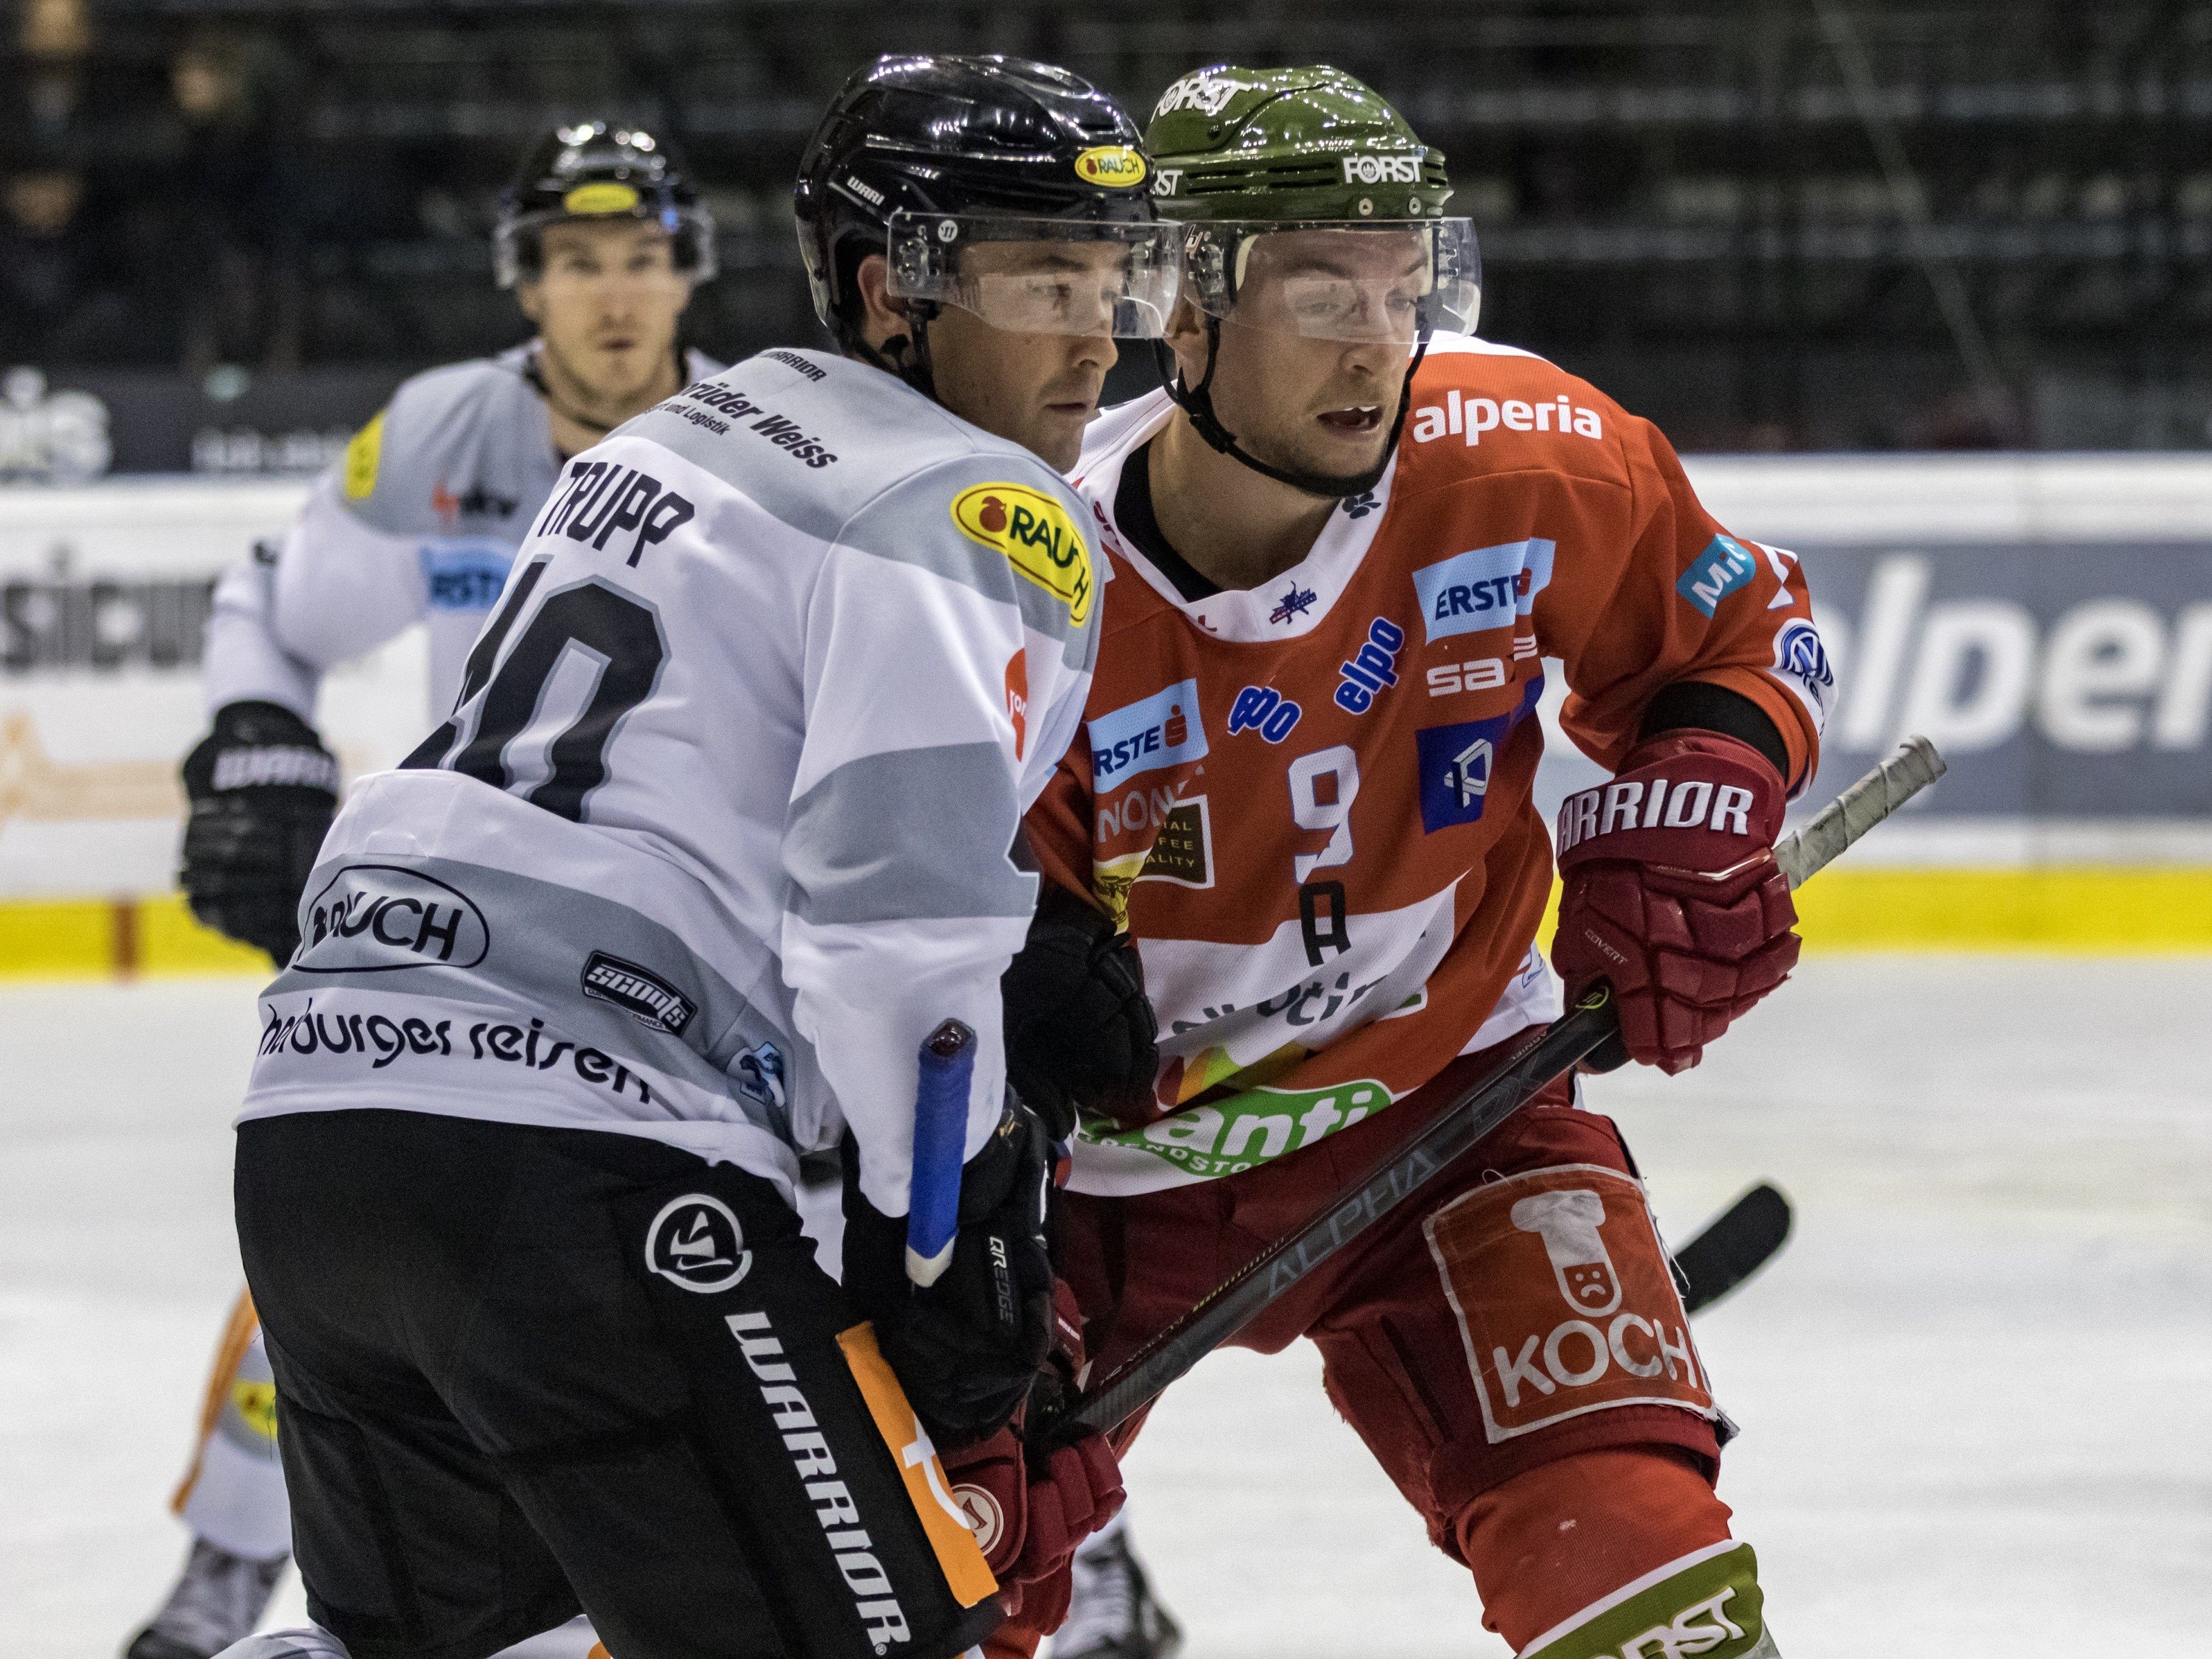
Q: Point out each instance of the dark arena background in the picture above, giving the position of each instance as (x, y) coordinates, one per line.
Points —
(1782, 226)
(1920, 289)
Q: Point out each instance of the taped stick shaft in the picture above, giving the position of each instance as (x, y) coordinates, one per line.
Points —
(947, 1068)
(1858, 809)
(1412, 1167)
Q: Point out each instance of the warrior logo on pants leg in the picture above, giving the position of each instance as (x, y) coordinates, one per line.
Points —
(696, 1243)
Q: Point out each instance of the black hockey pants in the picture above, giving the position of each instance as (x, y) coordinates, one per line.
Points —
(525, 1372)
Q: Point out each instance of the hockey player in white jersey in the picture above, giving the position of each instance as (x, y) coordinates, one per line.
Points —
(603, 239)
(713, 865)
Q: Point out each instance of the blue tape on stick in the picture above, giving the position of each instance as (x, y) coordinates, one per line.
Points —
(940, 1137)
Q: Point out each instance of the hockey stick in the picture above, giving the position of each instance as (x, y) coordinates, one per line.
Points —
(1734, 1244)
(1270, 1275)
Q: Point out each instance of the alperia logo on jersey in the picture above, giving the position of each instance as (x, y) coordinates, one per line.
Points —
(1483, 588)
(1034, 534)
(362, 458)
(1468, 418)
(1114, 166)
(1165, 729)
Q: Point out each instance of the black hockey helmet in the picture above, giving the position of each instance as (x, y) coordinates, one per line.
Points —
(595, 170)
(920, 157)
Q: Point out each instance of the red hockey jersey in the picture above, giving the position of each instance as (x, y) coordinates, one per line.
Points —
(1310, 801)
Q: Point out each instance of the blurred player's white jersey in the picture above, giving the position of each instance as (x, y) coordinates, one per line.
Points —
(721, 827)
(418, 523)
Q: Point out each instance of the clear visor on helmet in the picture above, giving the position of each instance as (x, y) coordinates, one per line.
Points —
(1041, 275)
(1389, 280)
(691, 228)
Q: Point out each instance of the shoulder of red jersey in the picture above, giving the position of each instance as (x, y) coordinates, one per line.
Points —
(1479, 408)
(1107, 443)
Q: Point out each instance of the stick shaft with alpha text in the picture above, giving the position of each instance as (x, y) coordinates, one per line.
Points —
(1407, 1171)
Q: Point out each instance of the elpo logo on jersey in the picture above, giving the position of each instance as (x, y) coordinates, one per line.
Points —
(696, 1245)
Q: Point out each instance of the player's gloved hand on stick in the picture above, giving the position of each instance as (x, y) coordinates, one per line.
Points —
(262, 791)
(1080, 1032)
(1672, 894)
(967, 1348)
(1031, 1506)
(1033, 1503)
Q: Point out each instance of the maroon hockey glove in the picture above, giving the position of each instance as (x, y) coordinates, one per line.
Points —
(1031, 1507)
(1672, 893)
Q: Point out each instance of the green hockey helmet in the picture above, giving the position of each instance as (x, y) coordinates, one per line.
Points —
(1310, 207)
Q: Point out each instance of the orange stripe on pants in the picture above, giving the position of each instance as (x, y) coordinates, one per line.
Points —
(237, 1337)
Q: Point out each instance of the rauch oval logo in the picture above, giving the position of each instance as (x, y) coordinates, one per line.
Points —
(376, 918)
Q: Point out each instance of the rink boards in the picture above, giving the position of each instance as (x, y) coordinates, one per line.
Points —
(2046, 619)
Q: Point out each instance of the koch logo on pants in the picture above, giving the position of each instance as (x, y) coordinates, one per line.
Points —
(1565, 1299)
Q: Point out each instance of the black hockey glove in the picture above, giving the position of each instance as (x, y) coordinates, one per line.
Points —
(1079, 1032)
(968, 1348)
(262, 791)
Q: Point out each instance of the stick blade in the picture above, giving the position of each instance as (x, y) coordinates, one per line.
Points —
(1734, 1245)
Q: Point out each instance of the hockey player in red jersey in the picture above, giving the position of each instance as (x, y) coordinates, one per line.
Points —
(1341, 547)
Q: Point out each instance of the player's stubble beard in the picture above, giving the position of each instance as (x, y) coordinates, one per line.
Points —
(1039, 390)
(604, 389)
(1263, 392)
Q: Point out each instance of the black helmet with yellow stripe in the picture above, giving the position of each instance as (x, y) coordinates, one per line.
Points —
(596, 170)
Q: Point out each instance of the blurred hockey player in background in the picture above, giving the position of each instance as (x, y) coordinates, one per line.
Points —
(602, 237)
(720, 835)
(1343, 540)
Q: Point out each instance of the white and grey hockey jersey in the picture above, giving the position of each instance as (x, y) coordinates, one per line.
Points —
(721, 828)
(418, 523)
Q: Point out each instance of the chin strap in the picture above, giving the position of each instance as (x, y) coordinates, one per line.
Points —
(906, 356)
(535, 376)
(1198, 404)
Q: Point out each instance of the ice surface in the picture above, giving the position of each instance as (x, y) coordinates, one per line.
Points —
(1976, 1392)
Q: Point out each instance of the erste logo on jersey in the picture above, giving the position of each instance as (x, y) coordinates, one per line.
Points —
(1165, 729)
(466, 577)
(1034, 534)
(1485, 587)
